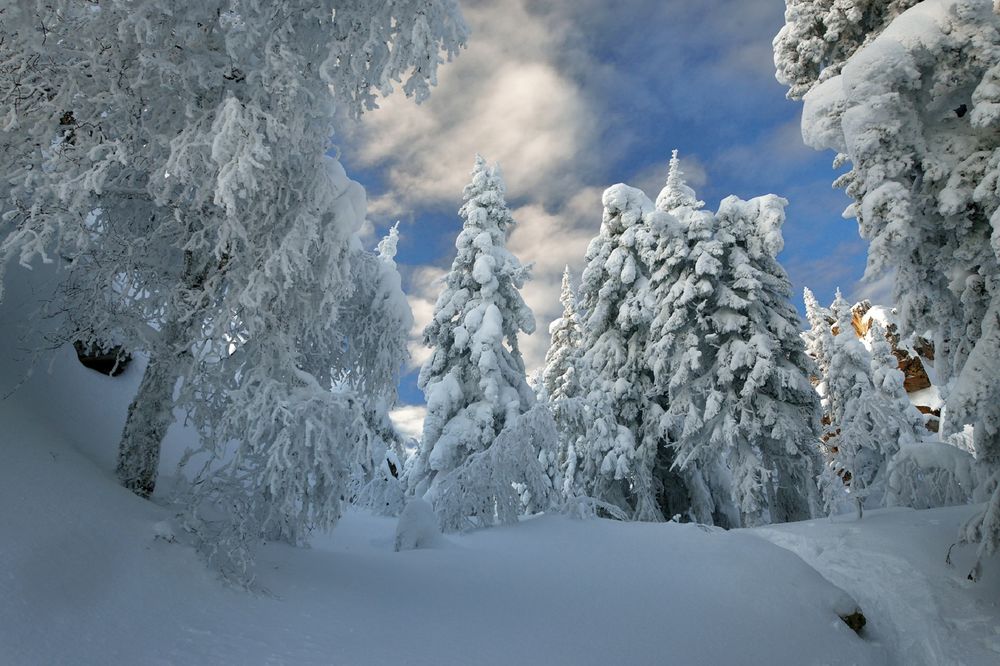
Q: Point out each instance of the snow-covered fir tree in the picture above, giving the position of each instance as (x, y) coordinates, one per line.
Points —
(871, 414)
(820, 35)
(614, 466)
(680, 258)
(561, 387)
(819, 336)
(560, 376)
(818, 339)
(743, 388)
(914, 106)
(474, 380)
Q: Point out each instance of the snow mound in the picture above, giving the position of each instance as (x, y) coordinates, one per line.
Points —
(418, 526)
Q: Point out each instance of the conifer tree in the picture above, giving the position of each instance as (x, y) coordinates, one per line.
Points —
(474, 380)
(683, 268)
(819, 337)
(615, 465)
(741, 399)
(818, 340)
(872, 415)
(561, 385)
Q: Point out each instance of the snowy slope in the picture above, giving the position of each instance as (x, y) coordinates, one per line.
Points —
(87, 581)
(893, 562)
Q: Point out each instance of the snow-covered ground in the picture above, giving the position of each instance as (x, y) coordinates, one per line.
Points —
(923, 610)
(90, 574)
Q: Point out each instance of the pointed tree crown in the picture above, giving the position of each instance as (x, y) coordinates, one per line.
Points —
(676, 192)
(842, 313)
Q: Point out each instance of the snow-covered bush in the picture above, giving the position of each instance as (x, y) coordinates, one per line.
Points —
(417, 527)
(502, 483)
(928, 474)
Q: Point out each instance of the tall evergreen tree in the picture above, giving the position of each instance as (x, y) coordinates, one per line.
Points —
(615, 465)
(474, 380)
(561, 384)
(818, 340)
(694, 475)
(683, 269)
(741, 391)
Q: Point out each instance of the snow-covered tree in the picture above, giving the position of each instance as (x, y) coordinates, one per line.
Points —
(615, 462)
(496, 485)
(676, 193)
(173, 157)
(872, 415)
(561, 384)
(818, 340)
(914, 108)
(474, 380)
(820, 35)
(819, 336)
(560, 376)
(741, 392)
(685, 267)
(374, 324)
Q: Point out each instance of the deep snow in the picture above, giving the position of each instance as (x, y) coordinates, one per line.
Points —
(90, 574)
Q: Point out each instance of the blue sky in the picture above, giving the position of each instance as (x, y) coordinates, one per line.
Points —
(572, 96)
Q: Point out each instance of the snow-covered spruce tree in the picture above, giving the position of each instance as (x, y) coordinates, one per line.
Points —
(818, 340)
(615, 461)
(748, 391)
(915, 110)
(872, 415)
(189, 141)
(680, 260)
(694, 476)
(474, 380)
(818, 337)
(562, 391)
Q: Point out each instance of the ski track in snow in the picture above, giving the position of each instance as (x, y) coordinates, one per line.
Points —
(893, 563)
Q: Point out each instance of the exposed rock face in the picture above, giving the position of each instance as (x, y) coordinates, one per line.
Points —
(110, 361)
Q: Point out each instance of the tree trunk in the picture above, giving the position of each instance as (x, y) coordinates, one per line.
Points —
(149, 417)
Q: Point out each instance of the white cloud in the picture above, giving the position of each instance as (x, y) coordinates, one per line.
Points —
(550, 241)
(425, 285)
(877, 290)
(507, 98)
(503, 97)
(409, 420)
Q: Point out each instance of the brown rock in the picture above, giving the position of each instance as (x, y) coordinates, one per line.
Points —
(855, 621)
